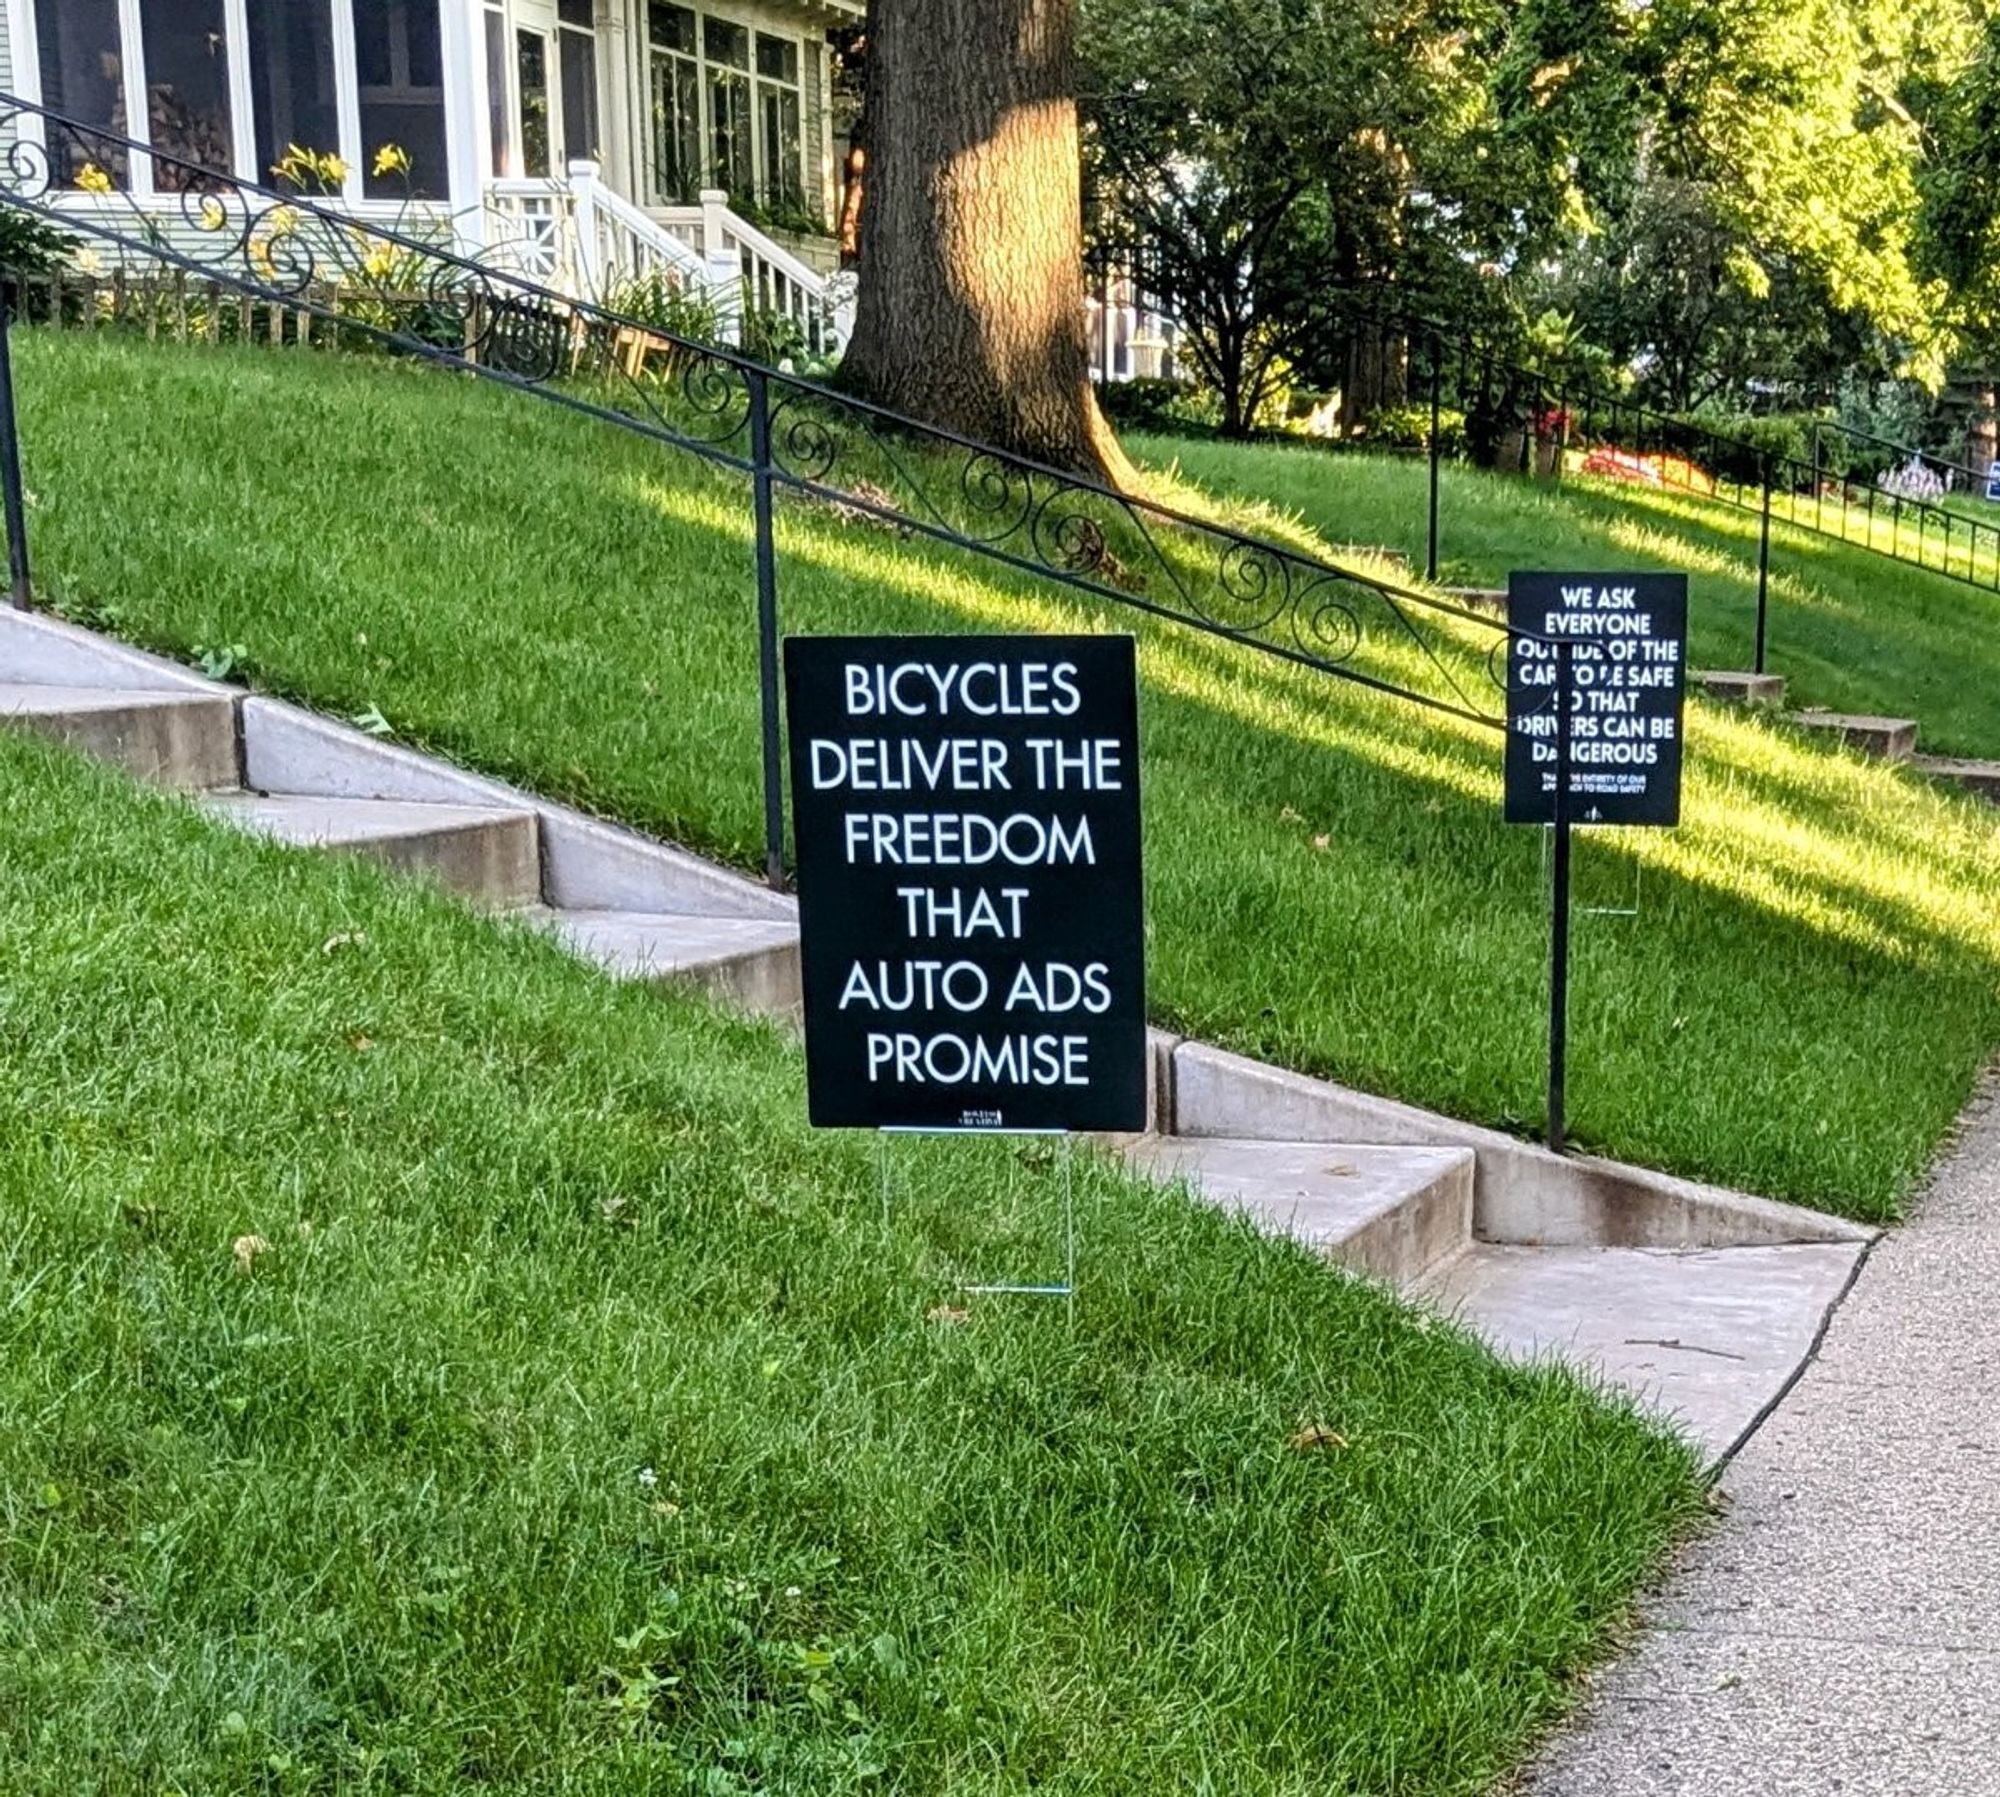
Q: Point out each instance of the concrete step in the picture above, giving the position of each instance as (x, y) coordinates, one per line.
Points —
(174, 739)
(746, 961)
(1392, 1213)
(1894, 739)
(1981, 777)
(1740, 688)
(1707, 1338)
(492, 856)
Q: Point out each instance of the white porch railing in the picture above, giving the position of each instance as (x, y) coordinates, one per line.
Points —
(765, 274)
(582, 238)
(531, 232)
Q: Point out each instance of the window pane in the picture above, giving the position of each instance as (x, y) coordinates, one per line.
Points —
(783, 182)
(426, 43)
(575, 12)
(671, 27)
(398, 53)
(82, 77)
(499, 115)
(729, 128)
(676, 130)
(291, 79)
(726, 43)
(778, 59)
(187, 89)
(531, 61)
(581, 136)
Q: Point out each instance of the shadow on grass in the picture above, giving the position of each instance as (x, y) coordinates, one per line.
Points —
(1800, 1007)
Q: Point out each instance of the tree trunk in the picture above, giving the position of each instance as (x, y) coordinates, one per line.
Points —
(1377, 373)
(971, 312)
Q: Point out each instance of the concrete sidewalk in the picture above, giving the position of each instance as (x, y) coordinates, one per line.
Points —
(1839, 1631)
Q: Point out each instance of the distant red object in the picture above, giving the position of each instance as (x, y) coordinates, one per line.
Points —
(1650, 470)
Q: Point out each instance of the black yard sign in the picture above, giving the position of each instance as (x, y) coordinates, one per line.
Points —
(966, 817)
(1628, 676)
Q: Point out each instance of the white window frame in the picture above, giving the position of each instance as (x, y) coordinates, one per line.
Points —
(242, 122)
(762, 155)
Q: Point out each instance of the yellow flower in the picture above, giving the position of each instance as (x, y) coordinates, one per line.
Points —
(381, 262)
(392, 159)
(93, 179)
(282, 220)
(303, 168)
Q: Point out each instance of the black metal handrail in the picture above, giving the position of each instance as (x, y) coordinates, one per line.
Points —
(396, 288)
(1553, 413)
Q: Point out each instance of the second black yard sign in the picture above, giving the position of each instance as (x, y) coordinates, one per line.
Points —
(1628, 677)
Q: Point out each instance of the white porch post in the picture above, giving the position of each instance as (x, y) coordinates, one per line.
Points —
(614, 97)
(725, 270)
(26, 74)
(583, 179)
(462, 27)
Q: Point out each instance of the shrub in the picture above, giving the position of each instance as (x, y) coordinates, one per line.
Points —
(1409, 427)
(1149, 403)
(1734, 445)
(31, 245)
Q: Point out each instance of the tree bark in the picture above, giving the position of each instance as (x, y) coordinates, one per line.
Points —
(971, 306)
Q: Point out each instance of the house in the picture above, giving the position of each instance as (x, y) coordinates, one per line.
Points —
(580, 142)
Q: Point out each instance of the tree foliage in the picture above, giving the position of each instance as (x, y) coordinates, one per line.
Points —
(1709, 189)
(1747, 176)
(1258, 158)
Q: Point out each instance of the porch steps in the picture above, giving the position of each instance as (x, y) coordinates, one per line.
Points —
(489, 856)
(1709, 1337)
(175, 739)
(752, 963)
(1893, 739)
(1981, 777)
(1392, 1213)
(1445, 1211)
(1741, 687)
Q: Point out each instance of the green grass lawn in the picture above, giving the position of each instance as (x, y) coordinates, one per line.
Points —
(1800, 1007)
(426, 1367)
(1850, 630)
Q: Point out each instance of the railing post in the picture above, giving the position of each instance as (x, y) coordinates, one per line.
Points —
(1764, 569)
(1559, 911)
(21, 592)
(1437, 382)
(587, 221)
(725, 268)
(767, 629)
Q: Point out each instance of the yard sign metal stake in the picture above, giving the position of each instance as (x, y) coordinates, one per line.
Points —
(1559, 908)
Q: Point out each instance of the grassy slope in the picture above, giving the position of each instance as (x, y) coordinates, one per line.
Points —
(1850, 630)
(373, 1514)
(1801, 1007)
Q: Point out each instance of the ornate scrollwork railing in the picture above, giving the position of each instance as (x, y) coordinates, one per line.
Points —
(404, 286)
